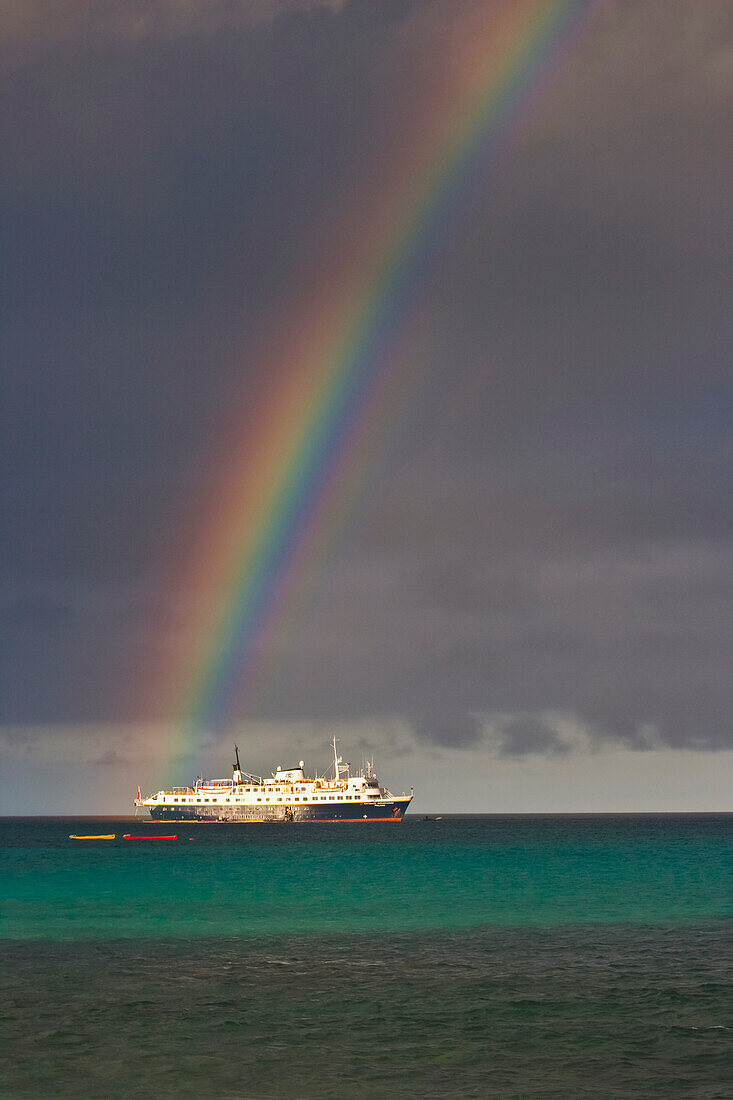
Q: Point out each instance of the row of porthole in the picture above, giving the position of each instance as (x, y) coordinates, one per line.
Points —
(251, 790)
(277, 790)
(323, 798)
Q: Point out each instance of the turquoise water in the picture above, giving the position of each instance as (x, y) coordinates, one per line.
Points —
(487, 956)
(420, 875)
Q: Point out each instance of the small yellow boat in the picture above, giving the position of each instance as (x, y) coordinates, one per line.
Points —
(99, 836)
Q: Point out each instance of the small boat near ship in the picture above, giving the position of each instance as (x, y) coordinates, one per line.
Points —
(150, 836)
(96, 836)
(289, 796)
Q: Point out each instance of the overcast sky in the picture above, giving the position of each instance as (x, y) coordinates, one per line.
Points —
(533, 587)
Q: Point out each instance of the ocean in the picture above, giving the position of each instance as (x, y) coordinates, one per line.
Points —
(478, 956)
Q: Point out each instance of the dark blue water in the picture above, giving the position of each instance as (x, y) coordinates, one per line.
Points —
(490, 956)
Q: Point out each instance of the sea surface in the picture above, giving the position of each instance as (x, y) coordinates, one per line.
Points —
(490, 956)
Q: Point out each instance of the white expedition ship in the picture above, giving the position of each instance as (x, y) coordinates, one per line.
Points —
(288, 796)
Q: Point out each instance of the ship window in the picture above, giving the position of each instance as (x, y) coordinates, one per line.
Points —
(206, 800)
(229, 800)
(296, 799)
(331, 797)
(259, 799)
(279, 799)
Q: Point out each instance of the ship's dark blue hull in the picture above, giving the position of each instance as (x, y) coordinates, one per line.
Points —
(288, 813)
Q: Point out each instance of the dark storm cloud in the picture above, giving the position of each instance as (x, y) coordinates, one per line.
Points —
(162, 185)
(527, 734)
(549, 533)
(34, 611)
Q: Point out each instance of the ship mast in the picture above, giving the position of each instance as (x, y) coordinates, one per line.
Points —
(337, 765)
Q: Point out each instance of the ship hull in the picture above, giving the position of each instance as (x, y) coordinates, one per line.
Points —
(392, 810)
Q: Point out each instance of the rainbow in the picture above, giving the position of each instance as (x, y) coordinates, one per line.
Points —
(299, 447)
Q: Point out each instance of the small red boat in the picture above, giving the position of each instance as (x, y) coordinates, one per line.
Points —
(151, 836)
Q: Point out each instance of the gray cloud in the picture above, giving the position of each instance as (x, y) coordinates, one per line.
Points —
(528, 733)
(549, 530)
(35, 611)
